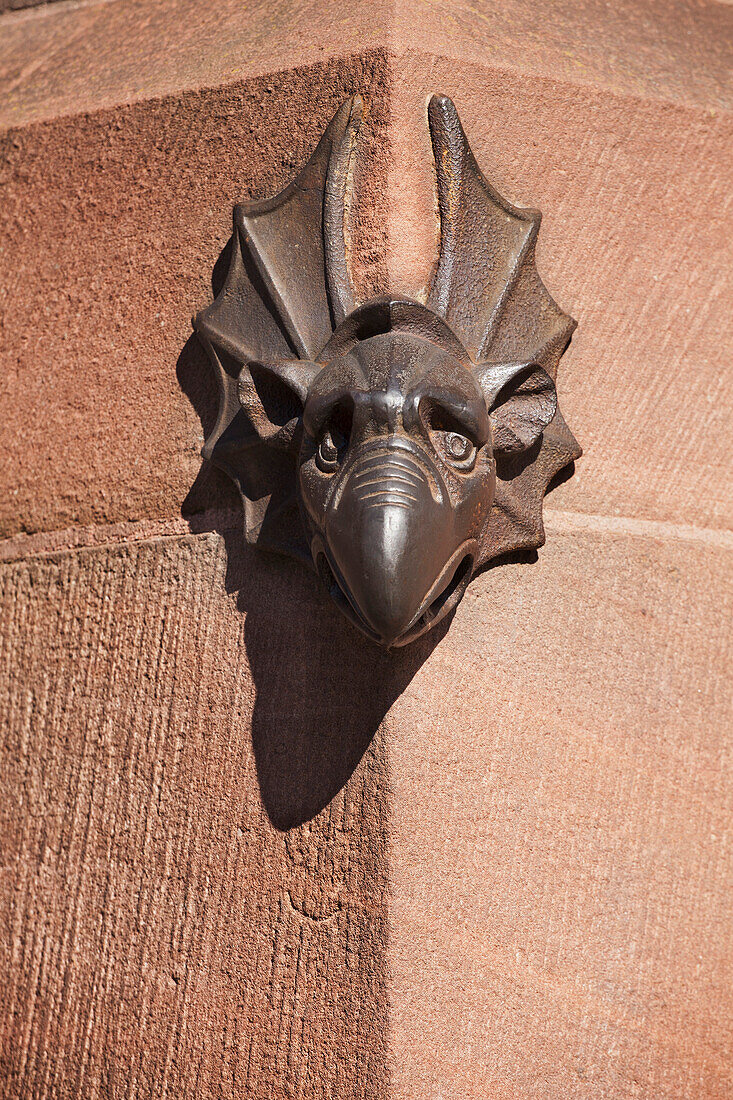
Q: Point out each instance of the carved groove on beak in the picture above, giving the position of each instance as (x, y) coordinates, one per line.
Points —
(390, 470)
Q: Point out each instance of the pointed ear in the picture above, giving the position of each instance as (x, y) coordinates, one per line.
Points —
(272, 396)
(521, 400)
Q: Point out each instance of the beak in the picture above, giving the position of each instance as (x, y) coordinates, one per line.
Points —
(392, 558)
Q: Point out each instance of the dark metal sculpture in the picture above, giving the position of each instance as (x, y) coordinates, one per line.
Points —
(398, 445)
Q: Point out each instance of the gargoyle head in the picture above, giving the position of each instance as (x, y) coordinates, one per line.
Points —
(397, 445)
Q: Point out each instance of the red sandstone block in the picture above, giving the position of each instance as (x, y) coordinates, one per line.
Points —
(528, 853)
(559, 869)
(66, 59)
(650, 49)
(114, 223)
(161, 938)
(636, 243)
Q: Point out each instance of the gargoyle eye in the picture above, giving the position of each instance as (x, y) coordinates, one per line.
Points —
(458, 446)
(331, 450)
(457, 449)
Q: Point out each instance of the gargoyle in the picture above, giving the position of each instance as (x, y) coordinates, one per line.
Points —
(396, 445)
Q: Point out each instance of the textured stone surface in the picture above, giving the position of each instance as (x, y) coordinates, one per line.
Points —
(160, 936)
(78, 57)
(529, 849)
(560, 861)
(650, 49)
(112, 226)
(17, 5)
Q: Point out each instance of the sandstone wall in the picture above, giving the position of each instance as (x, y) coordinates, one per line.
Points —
(243, 852)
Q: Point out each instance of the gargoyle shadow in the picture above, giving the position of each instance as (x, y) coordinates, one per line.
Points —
(485, 340)
(322, 689)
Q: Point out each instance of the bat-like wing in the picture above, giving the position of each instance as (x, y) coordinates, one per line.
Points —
(286, 289)
(487, 289)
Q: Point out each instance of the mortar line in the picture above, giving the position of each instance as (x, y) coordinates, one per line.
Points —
(126, 97)
(48, 543)
(563, 522)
